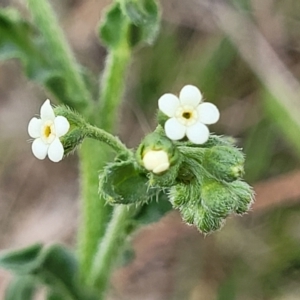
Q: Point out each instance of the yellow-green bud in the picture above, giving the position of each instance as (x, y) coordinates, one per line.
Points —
(244, 196)
(224, 162)
(207, 222)
(217, 198)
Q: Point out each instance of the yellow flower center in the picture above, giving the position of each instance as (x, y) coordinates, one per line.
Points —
(48, 132)
(187, 115)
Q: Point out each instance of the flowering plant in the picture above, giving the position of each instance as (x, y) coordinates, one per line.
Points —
(198, 172)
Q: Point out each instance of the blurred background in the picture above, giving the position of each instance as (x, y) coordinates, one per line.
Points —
(244, 55)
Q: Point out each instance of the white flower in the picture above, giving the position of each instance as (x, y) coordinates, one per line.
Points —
(188, 116)
(46, 131)
(156, 161)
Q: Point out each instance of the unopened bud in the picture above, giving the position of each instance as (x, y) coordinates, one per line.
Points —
(156, 161)
(224, 162)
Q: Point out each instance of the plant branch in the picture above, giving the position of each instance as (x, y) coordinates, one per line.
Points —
(109, 248)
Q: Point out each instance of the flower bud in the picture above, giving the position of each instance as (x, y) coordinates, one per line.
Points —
(224, 162)
(156, 161)
(207, 222)
(158, 155)
(181, 194)
(244, 196)
(217, 198)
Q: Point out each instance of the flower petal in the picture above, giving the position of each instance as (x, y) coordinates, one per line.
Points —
(208, 113)
(190, 95)
(174, 130)
(62, 126)
(39, 148)
(56, 151)
(34, 127)
(161, 168)
(198, 133)
(168, 103)
(47, 112)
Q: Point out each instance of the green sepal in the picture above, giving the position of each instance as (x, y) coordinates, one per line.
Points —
(21, 288)
(214, 140)
(224, 162)
(77, 131)
(122, 182)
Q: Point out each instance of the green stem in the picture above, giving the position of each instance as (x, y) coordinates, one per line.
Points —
(109, 248)
(113, 86)
(95, 212)
(103, 136)
(47, 23)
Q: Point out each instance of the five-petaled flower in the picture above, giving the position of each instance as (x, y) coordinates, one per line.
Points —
(187, 115)
(46, 131)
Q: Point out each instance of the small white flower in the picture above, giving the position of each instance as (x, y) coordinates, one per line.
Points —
(156, 161)
(188, 116)
(46, 131)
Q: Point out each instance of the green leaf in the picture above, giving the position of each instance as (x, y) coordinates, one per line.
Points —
(20, 40)
(59, 270)
(121, 182)
(54, 295)
(145, 16)
(154, 210)
(21, 288)
(55, 267)
(133, 23)
(111, 29)
(21, 261)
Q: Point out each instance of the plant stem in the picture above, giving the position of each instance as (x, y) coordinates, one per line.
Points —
(95, 212)
(109, 248)
(47, 23)
(103, 136)
(113, 86)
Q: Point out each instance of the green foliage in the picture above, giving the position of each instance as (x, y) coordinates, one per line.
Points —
(111, 29)
(21, 261)
(121, 182)
(144, 15)
(202, 181)
(138, 21)
(21, 40)
(54, 267)
(20, 288)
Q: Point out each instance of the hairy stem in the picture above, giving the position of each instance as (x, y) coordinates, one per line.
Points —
(112, 86)
(96, 213)
(109, 248)
(103, 136)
